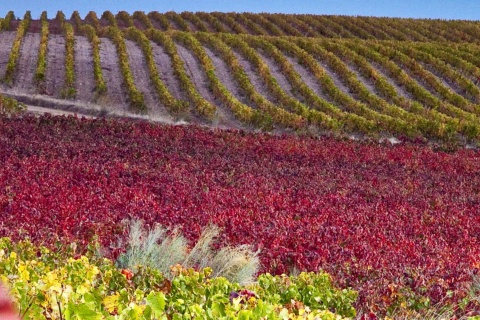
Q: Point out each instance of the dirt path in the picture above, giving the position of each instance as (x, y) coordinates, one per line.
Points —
(401, 91)
(256, 80)
(308, 78)
(224, 117)
(85, 81)
(141, 76)
(276, 72)
(116, 97)
(6, 43)
(165, 70)
(336, 79)
(55, 72)
(27, 63)
(196, 73)
(225, 76)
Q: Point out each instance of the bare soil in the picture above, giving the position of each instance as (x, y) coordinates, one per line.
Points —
(6, 43)
(254, 77)
(224, 118)
(276, 72)
(225, 76)
(308, 78)
(85, 81)
(401, 91)
(165, 70)
(116, 96)
(55, 72)
(196, 73)
(27, 63)
(141, 76)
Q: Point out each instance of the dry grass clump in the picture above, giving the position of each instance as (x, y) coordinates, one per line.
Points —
(157, 249)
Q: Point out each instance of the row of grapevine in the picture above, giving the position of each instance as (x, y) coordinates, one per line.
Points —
(69, 90)
(143, 19)
(212, 20)
(167, 99)
(385, 116)
(268, 109)
(202, 106)
(230, 21)
(92, 20)
(159, 19)
(326, 114)
(39, 77)
(293, 25)
(446, 72)
(241, 111)
(428, 120)
(417, 91)
(15, 51)
(135, 97)
(431, 81)
(125, 18)
(76, 21)
(195, 21)
(100, 85)
(6, 22)
(176, 20)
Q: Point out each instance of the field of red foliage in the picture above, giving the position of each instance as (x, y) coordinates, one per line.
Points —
(394, 222)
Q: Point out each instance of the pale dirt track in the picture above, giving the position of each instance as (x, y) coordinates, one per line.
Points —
(116, 97)
(28, 63)
(6, 43)
(85, 81)
(55, 72)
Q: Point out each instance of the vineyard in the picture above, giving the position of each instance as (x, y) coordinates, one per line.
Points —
(304, 73)
(373, 229)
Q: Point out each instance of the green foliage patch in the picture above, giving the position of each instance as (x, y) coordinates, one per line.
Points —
(64, 285)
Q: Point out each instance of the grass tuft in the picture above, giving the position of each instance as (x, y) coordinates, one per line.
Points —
(156, 249)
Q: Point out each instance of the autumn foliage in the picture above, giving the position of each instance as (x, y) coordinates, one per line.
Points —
(396, 223)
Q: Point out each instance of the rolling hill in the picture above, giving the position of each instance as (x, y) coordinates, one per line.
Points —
(304, 73)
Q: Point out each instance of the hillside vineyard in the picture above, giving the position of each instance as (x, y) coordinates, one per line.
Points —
(306, 73)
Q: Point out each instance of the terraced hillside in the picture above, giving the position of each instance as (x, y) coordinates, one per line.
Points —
(356, 75)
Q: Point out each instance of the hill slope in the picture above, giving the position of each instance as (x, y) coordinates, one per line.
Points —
(373, 76)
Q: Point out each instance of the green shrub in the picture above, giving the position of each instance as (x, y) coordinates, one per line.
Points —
(61, 285)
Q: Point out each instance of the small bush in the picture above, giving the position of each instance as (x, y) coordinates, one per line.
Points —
(155, 249)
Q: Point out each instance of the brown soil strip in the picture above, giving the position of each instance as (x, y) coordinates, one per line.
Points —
(55, 72)
(6, 43)
(197, 75)
(224, 75)
(308, 78)
(276, 72)
(336, 79)
(445, 81)
(85, 82)
(141, 76)
(156, 24)
(116, 97)
(27, 63)
(254, 77)
(165, 70)
(401, 91)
